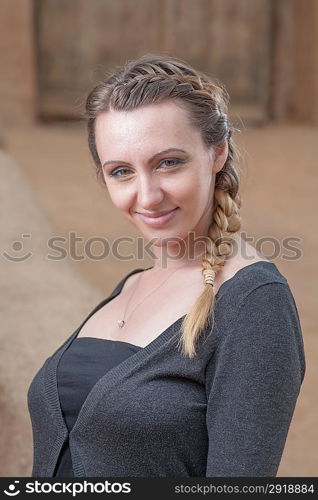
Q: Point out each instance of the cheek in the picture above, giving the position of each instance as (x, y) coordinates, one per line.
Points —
(182, 189)
(193, 192)
(203, 185)
(119, 198)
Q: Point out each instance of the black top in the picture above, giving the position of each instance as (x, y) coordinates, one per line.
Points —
(80, 367)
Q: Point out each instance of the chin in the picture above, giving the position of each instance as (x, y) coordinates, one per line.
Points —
(160, 237)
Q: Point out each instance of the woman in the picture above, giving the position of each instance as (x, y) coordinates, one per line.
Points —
(193, 366)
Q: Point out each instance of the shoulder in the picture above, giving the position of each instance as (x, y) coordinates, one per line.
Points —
(260, 325)
(257, 294)
(264, 312)
(244, 280)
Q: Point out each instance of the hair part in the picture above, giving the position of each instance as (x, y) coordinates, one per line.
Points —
(153, 79)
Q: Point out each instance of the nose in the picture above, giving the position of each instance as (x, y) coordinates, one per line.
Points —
(150, 193)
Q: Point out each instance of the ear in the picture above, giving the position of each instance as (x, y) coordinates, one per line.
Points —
(221, 153)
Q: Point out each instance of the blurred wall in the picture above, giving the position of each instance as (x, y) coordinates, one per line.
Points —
(265, 51)
(295, 61)
(17, 56)
(216, 36)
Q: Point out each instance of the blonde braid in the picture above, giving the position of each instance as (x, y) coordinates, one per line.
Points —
(221, 235)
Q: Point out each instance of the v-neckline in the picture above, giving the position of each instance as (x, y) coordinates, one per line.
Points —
(119, 370)
(114, 374)
(105, 383)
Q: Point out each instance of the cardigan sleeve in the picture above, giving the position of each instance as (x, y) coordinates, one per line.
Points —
(253, 381)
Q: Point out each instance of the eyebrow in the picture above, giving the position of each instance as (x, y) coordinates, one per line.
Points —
(165, 151)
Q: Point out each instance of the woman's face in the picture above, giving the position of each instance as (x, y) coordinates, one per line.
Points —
(155, 161)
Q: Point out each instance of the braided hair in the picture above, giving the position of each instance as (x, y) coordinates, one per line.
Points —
(153, 79)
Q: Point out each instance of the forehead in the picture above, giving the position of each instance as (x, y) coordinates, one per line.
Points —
(150, 127)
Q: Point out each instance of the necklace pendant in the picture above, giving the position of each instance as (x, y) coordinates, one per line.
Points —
(120, 323)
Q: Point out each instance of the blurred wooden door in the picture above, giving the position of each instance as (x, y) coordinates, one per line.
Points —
(78, 41)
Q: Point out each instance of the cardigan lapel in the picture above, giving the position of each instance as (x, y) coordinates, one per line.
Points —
(111, 378)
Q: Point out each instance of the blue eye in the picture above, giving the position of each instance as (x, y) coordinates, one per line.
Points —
(114, 172)
(175, 162)
(170, 163)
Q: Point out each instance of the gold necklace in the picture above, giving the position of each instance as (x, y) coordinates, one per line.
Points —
(121, 322)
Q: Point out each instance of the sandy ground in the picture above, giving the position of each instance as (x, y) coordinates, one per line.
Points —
(49, 189)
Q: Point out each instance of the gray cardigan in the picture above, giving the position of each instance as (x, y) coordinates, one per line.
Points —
(225, 412)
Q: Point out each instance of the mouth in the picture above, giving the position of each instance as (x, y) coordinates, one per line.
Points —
(159, 219)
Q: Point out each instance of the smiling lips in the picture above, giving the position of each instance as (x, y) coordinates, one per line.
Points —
(158, 219)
